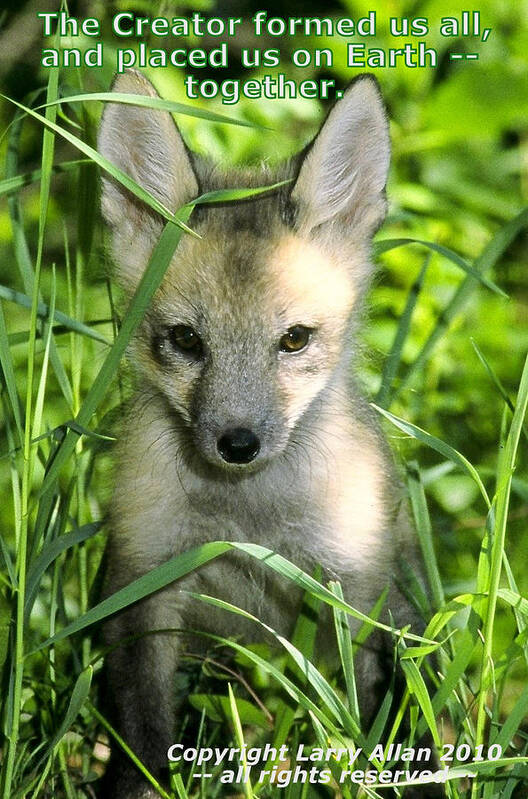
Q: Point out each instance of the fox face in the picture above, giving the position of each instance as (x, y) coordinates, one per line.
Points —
(240, 364)
(250, 324)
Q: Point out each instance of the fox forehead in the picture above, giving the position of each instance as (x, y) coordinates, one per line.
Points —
(284, 279)
(314, 284)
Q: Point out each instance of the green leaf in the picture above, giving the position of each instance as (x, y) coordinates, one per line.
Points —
(234, 195)
(514, 723)
(239, 737)
(506, 465)
(180, 787)
(346, 654)
(5, 625)
(218, 708)
(313, 676)
(304, 637)
(128, 751)
(105, 164)
(182, 564)
(496, 381)
(144, 586)
(9, 374)
(22, 251)
(299, 696)
(287, 569)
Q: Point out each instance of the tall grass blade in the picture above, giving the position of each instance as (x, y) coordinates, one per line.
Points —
(21, 248)
(311, 673)
(17, 182)
(43, 312)
(180, 787)
(505, 469)
(50, 552)
(144, 586)
(418, 688)
(159, 261)
(239, 737)
(346, 654)
(105, 164)
(438, 445)
(13, 722)
(124, 746)
(158, 103)
(393, 360)
(496, 381)
(189, 561)
(287, 569)
(486, 261)
(424, 530)
(390, 244)
(80, 693)
(304, 636)
(8, 371)
(299, 696)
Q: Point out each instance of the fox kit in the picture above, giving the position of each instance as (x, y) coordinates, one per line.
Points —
(246, 424)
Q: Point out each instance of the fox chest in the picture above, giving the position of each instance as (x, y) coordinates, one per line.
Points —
(339, 522)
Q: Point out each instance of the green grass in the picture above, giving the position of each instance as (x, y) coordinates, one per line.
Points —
(59, 393)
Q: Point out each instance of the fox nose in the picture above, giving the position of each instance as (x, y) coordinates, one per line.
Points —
(238, 445)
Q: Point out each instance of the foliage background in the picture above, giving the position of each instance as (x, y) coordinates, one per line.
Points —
(459, 172)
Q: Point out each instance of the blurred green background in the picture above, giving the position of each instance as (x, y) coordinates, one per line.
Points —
(459, 173)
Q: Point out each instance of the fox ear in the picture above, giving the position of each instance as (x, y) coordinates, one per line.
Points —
(146, 145)
(343, 175)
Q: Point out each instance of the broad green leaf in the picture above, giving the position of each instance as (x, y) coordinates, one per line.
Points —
(217, 708)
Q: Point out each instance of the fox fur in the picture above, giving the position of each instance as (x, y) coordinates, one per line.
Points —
(322, 488)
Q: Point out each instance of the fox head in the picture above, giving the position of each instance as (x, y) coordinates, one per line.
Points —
(247, 334)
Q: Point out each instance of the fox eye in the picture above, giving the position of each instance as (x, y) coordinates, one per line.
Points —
(185, 339)
(295, 339)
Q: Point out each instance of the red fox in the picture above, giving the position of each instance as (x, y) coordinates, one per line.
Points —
(247, 423)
